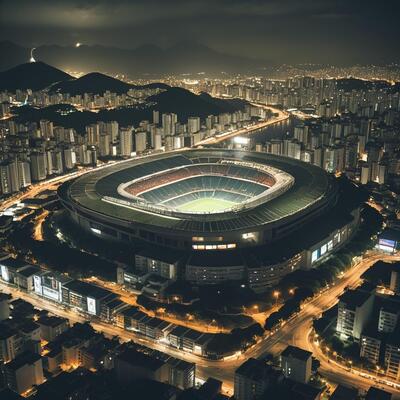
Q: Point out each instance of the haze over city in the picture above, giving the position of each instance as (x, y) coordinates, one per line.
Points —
(336, 32)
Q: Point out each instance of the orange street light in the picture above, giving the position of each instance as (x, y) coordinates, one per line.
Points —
(276, 295)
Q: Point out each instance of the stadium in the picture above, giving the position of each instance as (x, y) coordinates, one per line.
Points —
(214, 208)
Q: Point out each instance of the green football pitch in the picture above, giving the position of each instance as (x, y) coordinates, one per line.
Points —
(206, 205)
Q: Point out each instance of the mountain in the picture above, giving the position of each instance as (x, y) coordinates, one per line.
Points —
(146, 60)
(35, 76)
(97, 83)
(186, 104)
(349, 84)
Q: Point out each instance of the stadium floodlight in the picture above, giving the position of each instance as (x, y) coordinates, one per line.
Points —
(241, 140)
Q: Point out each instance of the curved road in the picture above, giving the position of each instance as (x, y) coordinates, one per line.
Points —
(281, 116)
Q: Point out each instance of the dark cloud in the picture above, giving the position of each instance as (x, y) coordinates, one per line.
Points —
(335, 31)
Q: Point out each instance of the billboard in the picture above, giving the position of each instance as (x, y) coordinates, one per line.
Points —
(52, 294)
(4, 273)
(387, 245)
(91, 306)
(37, 284)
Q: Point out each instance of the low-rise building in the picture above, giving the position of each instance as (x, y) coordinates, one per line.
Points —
(354, 310)
(164, 264)
(51, 327)
(392, 359)
(189, 340)
(388, 317)
(252, 378)
(131, 365)
(9, 343)
(4, 306)
(48, 284)
(371, 345)
(296, 364)
(86, 297)
(182, 374)
(23, 372)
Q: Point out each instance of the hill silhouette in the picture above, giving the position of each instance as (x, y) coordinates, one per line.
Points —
(186, 103)
(98, 83)
(35, 76)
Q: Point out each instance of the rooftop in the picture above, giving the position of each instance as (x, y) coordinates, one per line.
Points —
(51, 321)
(27, 357)
(311, 186)
(28, 271)
(29, 326)
(138, 358)
(377, 394)
(354, 298)
(179, 331)
(12, 263)
(254, 369)
(296, 352)
(344, 393)
(87, 289)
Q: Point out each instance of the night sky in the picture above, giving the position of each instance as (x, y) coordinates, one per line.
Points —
(282, 31)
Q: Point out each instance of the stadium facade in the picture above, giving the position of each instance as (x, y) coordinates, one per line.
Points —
(225, 214)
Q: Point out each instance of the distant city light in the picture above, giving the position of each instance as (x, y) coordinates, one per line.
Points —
(78, 44)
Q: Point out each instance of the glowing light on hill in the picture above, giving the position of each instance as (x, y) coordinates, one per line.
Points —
(32, 59)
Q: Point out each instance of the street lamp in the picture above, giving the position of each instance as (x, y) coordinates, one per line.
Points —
(291, 292)
(189, 316)
(276, 295)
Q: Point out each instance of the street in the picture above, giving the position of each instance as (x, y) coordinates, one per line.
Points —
(282, 116)
(295, 331)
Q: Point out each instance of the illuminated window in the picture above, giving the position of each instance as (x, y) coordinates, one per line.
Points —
(249, 235)
(213, 246)
(336, 237)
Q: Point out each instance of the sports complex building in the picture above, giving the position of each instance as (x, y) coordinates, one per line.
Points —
(217, 215)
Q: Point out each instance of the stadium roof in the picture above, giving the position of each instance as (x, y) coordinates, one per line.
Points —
(312, 186)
